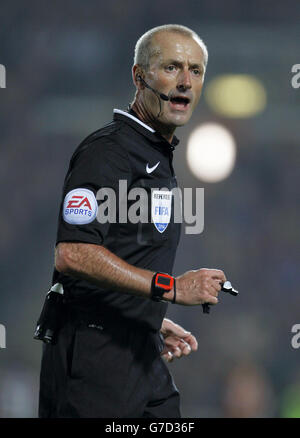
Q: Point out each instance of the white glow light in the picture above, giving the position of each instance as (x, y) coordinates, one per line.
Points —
(211, 152)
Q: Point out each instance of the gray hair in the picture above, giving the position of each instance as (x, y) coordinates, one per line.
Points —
(143, 52)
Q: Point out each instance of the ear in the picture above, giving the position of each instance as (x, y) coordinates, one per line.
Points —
(136, 74)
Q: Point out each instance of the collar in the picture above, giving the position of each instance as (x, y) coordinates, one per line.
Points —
(131, 118)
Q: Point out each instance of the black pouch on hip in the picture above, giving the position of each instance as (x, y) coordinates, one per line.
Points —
(51, 318)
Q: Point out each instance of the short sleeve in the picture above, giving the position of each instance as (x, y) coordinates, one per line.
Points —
(98, 165)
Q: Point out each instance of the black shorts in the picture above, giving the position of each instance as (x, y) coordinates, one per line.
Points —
(104, 368)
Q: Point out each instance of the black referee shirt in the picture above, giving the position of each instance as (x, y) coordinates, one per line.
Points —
(126, 149)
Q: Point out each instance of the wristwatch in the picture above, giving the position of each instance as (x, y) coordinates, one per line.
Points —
(162, 283)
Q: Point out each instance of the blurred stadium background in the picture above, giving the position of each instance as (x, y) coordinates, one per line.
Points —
(68, 65)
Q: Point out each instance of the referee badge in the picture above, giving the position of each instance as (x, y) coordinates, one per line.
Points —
(80, 207)
(161, 208)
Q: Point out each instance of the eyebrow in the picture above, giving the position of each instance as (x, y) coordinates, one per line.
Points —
(179, 63)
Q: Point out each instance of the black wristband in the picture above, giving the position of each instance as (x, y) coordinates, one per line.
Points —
(162, 283)
(174, 297)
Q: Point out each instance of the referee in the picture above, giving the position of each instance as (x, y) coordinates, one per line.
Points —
(115, 273)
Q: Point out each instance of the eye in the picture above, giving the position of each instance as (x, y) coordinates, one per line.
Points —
(171, 67)
(196, 71)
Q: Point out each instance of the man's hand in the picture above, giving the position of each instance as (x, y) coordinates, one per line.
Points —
(199, 287)
(178, 341)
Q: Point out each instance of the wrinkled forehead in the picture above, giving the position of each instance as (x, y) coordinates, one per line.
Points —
(173, 45)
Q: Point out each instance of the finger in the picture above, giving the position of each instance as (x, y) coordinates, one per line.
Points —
(217, 285)
(171, 343)
(192, 341)
(212, 290)
(168, 356)
(186, 344)
(177, 352)
(210, 299)
(217, 274)
(174, 347)
(177, 330)
(185, 348)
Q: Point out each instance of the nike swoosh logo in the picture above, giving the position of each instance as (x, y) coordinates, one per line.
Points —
(151, 169)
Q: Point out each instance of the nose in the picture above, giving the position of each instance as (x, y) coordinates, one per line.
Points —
(184, 81)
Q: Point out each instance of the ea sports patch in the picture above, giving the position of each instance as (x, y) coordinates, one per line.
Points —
(161, 209)
(80, 207)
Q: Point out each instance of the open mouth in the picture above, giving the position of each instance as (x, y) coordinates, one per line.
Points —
(179, 102)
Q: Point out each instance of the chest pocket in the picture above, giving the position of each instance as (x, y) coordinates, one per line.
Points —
(163, 213)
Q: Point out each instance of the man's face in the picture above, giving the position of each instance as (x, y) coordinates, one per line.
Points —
(177, 70)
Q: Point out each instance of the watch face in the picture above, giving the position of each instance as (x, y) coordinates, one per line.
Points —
(164, 281)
